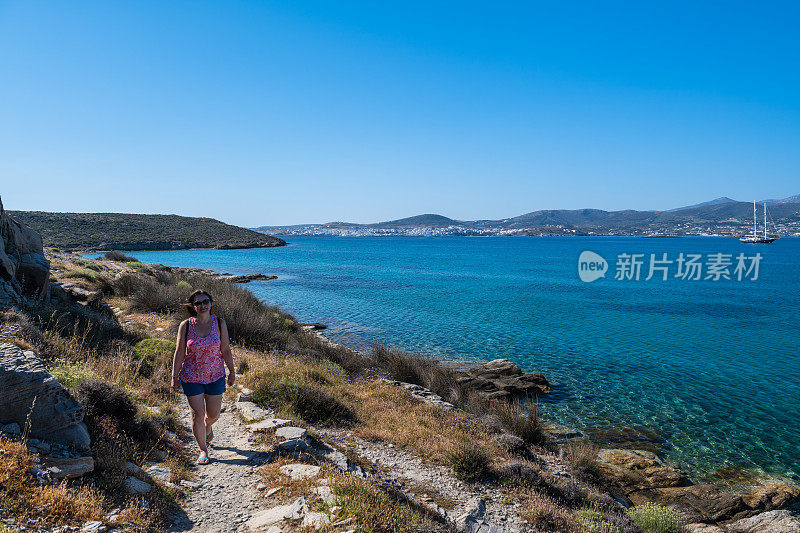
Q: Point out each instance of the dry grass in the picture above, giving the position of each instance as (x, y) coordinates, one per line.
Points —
(50, 504)
(581, 458)
(520, 419)
(545, 514)
(390, 414)
(377, 410)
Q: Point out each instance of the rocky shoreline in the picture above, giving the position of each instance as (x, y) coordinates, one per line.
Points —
(637, 477)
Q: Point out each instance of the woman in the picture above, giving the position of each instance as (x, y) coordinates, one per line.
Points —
(198, 366)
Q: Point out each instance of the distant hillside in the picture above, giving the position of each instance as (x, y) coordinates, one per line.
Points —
(721, 200)
(718, 216)
(788, 200)
(428, 220)
(124, 231)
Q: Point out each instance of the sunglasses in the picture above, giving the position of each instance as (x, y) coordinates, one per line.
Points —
(201, 302)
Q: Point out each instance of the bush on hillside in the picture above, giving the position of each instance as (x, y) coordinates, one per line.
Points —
(655, 518)
(155, 357)
(521, 420)
(470, 462)
(419, 370)
(119, 256)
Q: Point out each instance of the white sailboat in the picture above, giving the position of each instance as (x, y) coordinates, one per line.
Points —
(755, 238)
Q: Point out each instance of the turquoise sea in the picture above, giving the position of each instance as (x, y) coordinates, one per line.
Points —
(706, 370)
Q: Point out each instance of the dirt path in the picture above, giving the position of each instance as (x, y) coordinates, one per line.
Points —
(227, 495)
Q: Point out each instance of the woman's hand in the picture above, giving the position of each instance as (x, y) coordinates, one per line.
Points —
(176, 384)
(231, 378)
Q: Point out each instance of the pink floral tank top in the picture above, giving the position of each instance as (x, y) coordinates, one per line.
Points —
(203, 362)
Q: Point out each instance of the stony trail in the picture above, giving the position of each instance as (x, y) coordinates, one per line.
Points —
(227, 495)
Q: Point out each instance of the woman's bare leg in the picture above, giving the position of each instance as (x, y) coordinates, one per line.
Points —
(213, 407)
(198, 406)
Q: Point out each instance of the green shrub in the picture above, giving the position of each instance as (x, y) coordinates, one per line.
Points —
(184, 286)
(134, 264)
(653, 518)
(155, 357)
(148, 294)
(82, 273)
(119, 256)
(126, 284)
(305, 398)
(72, 374)
(594, 521)
(155, 349)
(470, 462)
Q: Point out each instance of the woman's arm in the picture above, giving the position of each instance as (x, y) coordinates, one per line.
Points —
(180, 353)
(227, 354)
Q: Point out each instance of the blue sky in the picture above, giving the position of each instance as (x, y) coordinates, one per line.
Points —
(264, 113)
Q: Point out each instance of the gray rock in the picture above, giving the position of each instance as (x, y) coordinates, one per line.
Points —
(291, 433)
(423, 394)
(332, 455)
(11, 429)
(472, 519)
(276, 515)
(135, 486)
(55, 415)
(695, 503)
(24, 270)
(702, 528)
(161, 473)
(315, 520)
(325, 494)
(272, 491)
(782, 521)
(251, 412)
(268, 423)
(39, 445)
(293, 446)
(503, 380)
(300, 471)
(93, 526)
(69, 467)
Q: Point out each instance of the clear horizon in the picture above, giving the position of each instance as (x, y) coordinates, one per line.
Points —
(282, 113)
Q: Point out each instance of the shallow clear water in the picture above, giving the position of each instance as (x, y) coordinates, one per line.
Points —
(711, 366)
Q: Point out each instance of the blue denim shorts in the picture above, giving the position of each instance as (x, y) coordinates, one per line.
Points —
(212, 389)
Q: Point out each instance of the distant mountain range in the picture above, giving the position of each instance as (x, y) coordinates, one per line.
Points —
(721, 216)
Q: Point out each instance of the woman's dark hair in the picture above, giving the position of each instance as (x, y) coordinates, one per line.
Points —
(190, 300)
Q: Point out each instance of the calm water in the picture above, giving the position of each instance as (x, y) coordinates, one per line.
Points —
(712, 367)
